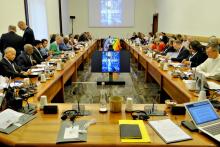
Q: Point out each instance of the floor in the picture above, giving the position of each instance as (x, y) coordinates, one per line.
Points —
(87, 91)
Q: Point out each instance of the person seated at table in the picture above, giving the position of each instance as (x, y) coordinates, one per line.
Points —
(183, 53)
(169, 47)
(53, 37)
(141, 36)
(65, 46)
(89, 36)
(25, 60)
(158, 45)
(211, 67)
(54, 47)
(8, 68)
(37, 54)
(213, 39)
(134, 36)
(186, 40)
(164, 38)
(44, 50)
(83, 37)
(197, 54)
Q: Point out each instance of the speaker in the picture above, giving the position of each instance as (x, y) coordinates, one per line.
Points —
(72, 17)
(50, 109)
(178, 110)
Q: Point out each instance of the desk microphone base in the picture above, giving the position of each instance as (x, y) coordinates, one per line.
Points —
(30, 109)
(82, 111)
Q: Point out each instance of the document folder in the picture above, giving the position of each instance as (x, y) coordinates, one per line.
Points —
(22, 121)
(65, 125)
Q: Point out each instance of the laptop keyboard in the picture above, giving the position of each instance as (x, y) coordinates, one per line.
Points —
(214, 129)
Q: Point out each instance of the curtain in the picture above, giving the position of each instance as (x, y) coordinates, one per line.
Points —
(38, 18)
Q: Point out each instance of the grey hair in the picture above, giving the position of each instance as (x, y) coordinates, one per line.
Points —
(27, 46)
(214, 46)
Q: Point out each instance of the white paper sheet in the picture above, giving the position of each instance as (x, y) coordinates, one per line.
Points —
(71, 132)
(8, 117)
(213, 85)
(37, 69)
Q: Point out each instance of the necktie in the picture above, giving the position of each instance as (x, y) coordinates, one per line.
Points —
(14, 67)
(39, 53)
(31, 59)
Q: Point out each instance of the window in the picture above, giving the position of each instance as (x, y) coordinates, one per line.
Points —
(38, 18)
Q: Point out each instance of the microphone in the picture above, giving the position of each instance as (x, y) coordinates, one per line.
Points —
(153, 111)
(76, 92)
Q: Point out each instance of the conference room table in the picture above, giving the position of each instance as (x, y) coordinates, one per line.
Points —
(172, 86)
(54, 87)
(43, 130)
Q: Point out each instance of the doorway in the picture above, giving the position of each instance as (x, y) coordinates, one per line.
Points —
(155, 23)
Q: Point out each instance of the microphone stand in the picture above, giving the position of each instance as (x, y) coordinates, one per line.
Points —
(153, 111)
(80, 108)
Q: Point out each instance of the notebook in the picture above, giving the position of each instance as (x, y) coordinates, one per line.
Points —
(205, 118)
(144, 133)
(130, 131)
(169, 131)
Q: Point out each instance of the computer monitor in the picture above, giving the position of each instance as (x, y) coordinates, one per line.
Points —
(110, 62)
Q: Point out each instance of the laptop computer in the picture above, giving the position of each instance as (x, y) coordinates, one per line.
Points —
(205, 117)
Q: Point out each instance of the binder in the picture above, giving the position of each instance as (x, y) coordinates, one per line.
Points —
(22, 121)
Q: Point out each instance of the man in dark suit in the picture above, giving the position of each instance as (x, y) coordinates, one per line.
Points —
(198, 55)
(37, 54)
(8, 68)
(11, 39)
(169, 47)
(28, 36)
(25, 60)
(183, 52)
(164, 38)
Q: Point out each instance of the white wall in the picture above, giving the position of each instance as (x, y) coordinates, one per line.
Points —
(11, 11)
(194, 17)
(144, 10)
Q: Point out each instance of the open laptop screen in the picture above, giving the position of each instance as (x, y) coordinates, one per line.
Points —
(202, 112)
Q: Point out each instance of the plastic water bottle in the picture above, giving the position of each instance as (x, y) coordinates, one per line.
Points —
(103, 103)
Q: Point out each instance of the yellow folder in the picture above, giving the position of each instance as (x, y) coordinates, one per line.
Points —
(144, 133)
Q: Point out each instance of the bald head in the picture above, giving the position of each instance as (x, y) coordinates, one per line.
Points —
(10, 53)
(28, 48)
(22, 25)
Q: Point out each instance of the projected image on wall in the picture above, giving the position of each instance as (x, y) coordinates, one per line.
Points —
(111, 12)
(111, 61)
